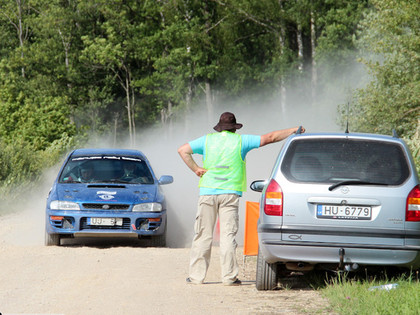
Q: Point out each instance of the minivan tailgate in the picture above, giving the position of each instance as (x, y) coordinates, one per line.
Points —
(317, 215)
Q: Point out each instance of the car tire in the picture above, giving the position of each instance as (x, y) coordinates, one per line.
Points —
(153, 241)
(266, 278)
(159, 240)
(52, 239)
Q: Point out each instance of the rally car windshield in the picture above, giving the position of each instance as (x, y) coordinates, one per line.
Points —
(106, 169)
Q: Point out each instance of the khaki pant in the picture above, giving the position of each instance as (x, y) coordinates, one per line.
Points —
(209, 207)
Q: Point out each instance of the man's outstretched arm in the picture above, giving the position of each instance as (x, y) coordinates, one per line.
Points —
(278, 135)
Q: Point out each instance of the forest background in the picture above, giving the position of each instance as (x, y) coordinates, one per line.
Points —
(70, 69)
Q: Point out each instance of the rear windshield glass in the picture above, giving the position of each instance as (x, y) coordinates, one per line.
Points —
(334, 160)
(97, 169)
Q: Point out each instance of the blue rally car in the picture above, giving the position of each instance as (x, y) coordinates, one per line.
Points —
(107, 192)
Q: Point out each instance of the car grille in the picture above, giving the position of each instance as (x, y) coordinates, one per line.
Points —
(102, 206)
(85, 226)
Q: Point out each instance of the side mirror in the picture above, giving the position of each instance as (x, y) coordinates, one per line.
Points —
(165, 179)
(258, 185)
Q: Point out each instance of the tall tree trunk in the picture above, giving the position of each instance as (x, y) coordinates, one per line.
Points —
(314, 80)
(116, 117)
(166, 119)
(129, 110)
(66, 45)
(300, 46)
(282, 43)
(16, 19)
(188, 102)
(133, 120)
(20, 30)
(209, 102)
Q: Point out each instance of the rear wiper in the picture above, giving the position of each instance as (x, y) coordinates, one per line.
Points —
(354, 182)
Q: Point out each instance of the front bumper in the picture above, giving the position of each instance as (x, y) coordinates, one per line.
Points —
(75, 223)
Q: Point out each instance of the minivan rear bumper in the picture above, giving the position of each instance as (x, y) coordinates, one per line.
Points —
(324, 245)
(326, 253)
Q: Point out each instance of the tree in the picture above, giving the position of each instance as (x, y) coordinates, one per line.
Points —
(71, 68)
(391, 45)
(16, 14)
(118, 47)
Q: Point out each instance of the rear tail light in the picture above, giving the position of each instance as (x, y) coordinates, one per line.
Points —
(273, 203)
(412, 211)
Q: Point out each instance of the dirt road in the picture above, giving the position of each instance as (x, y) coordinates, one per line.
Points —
(124, 278)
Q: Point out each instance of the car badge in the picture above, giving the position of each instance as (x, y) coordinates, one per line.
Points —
(106, 195)
(344, 189)
(295, 237)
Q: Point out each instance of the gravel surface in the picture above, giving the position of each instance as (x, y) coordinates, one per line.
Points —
(96, 277)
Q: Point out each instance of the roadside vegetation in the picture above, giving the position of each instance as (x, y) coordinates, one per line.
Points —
(390, 48)
(378, 294)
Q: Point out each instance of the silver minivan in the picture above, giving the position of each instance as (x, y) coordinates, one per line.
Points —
(338, 201)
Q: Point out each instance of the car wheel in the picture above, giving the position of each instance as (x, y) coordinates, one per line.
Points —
(266, 278)
(52, 239)
(159, 240)
(153, 241)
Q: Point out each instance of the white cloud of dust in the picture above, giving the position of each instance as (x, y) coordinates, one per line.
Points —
(160, 145)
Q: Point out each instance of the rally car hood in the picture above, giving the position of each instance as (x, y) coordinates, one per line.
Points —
(99, 193)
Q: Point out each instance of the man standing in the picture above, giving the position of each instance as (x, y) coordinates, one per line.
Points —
(222, 181)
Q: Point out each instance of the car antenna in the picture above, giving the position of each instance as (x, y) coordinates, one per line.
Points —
(347, 122)
(394, 133)
(299, 131)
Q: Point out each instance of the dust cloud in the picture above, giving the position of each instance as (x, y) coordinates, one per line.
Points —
(182, 195)
(30, 207)
(160, 145)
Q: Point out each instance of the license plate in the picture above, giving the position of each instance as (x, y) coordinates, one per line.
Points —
(344, 212)
(105, 221)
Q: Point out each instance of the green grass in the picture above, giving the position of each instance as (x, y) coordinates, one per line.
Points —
(351, 295)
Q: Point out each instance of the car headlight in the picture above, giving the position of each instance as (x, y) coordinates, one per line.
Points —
(63, 205)
(148, 207)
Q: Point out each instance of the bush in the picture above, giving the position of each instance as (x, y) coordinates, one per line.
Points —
(21, 167)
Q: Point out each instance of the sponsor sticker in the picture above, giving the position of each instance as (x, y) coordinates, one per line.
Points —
(106, 195)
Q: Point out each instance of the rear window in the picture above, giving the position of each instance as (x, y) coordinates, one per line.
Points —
(334, 160)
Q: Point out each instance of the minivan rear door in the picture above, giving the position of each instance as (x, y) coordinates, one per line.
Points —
(343, 189)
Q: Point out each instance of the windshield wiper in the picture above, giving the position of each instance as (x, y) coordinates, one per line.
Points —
(354, 182)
